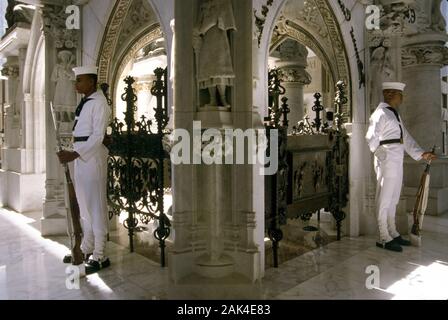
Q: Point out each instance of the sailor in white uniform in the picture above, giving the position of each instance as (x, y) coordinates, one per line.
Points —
(388, 139)
(90, 174)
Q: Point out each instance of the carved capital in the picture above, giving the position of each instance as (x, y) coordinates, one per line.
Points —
(295, 74)
(54, 25)
(421, 55)
(10, 71)
(143, 87)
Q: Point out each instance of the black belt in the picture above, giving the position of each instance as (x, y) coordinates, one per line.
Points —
(391, 141)
(80, 139)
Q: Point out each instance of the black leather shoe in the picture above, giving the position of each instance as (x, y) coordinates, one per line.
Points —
(93, 266)
(401, 241)
(68, 258)
(391, 245)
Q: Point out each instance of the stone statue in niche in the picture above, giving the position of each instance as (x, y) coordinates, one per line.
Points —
(64, 78)
(211, 43)
(382, 70)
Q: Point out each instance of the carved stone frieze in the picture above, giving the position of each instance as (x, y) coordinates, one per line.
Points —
(110, 38)
(54, 25)
(418, 55)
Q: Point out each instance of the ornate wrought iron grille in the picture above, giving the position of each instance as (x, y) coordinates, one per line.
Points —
(287, 193)
(136, 164)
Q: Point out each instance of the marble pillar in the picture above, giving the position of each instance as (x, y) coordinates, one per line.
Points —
(292, 63)
(423, 55)
(217, 214)
(423, 58)
(146, 102)
(62, 52)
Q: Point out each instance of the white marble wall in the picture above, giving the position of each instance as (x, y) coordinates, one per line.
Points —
(22, 175)
(204, 195)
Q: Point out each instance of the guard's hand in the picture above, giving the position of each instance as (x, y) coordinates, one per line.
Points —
(429, 156)
(67, 156)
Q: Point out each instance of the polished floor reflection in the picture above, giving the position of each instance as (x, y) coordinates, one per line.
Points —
(31, 268)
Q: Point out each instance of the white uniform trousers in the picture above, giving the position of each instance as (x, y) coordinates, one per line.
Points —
(90, 187)
(389, 175)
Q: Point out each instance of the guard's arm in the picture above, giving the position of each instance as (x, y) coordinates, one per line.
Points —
(411, 147)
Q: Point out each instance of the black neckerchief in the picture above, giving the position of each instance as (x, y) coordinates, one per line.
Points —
(398, 118)
(79, 109)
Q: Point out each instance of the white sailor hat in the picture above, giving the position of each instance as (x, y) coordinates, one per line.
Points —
(394, 86)
(85, 70)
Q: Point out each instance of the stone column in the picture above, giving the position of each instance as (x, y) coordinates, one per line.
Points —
(146, 102)
(423, 57)
(59, 47)
(216, 208)
(293, 62)
(12, 131)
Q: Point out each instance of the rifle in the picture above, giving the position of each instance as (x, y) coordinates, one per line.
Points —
(73, 208)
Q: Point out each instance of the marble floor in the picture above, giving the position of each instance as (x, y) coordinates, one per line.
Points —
(31, 268)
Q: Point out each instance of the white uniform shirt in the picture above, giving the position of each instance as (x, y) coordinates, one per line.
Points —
(385, 126)
(92, 123)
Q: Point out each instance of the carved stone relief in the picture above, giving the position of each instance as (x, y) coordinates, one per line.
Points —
(214, 67)
(139, 16)
(424, 55)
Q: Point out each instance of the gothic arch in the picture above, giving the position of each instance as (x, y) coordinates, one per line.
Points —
(319, 30)
(117, 41)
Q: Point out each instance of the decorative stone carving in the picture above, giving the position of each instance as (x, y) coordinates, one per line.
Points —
(54, 25)
(295, 74)
(382, 69)
(10, 71)
(64, 78)
(212, 48)
(111, 35)
(64, 93)
(312, 17)
(438, 22)
(397, 18)
(292, 62)
(424, 55)
(153, 49)
(139, 16)
(259, 21)
(429, 17)
(143, 87)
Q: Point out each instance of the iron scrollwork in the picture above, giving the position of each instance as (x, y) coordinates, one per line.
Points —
(276, 185)
(338, 180)
(321, 173)
(136, 164)
(304, 127)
